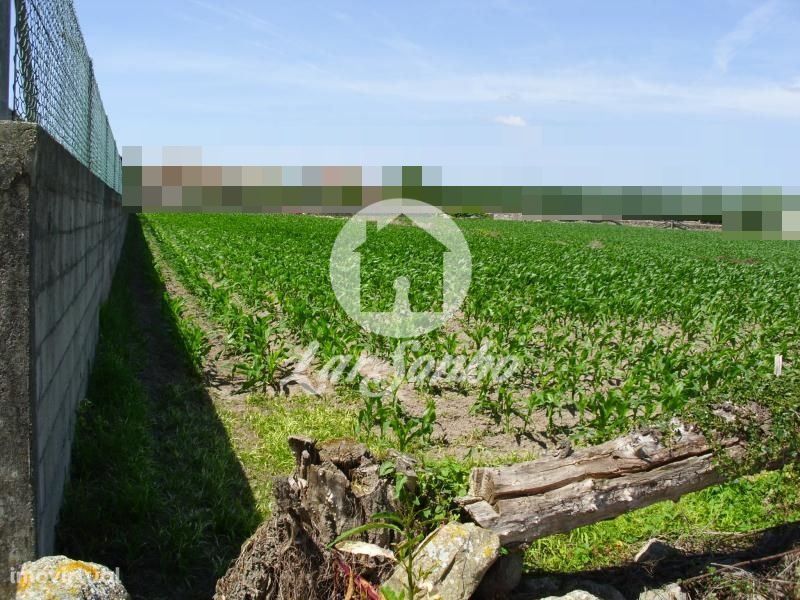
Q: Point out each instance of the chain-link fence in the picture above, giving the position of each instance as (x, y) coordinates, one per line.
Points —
(54, 85)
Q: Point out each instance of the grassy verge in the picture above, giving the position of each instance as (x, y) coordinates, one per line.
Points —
(155, 488)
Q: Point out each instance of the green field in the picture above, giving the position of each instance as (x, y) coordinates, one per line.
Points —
(615, 328)
(612, 325)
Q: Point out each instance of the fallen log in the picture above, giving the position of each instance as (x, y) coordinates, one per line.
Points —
(527, 501)
(629, 454)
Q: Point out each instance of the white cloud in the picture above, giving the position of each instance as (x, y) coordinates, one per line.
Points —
(510, 120)
(590, 90)
(752, 24)
(593, 90)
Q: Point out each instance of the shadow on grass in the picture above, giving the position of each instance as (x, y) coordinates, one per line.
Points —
(156, 489)
(634, 578)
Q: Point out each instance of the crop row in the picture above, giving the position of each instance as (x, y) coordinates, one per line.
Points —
(611, 324)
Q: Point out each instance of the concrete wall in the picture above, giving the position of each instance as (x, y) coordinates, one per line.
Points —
(61, 230)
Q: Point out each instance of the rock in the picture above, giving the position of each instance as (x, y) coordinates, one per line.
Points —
(501, 578)
(601, 590)
(534, 588)
(670, 592)
(574, 595)
(452, 562)
(61, 578)
(654, 551)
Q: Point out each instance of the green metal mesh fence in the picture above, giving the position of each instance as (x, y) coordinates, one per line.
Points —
(54, 85)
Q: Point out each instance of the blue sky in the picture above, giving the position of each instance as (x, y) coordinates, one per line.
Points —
(565, 92)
